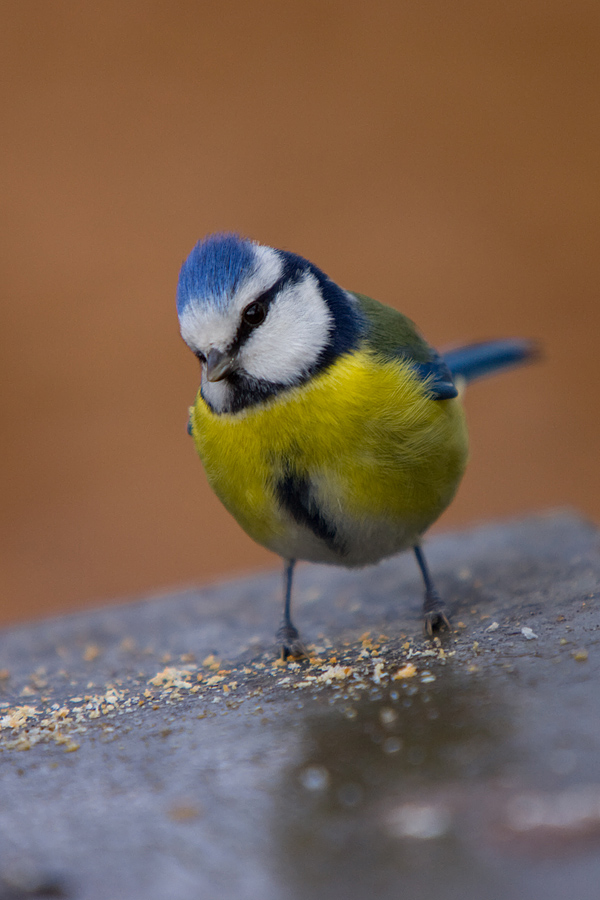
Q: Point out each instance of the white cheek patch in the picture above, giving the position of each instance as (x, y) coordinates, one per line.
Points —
(205, 326)
(290, 340)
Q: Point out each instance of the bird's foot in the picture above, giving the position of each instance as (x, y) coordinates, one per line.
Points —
(291, 643)
(435, 614)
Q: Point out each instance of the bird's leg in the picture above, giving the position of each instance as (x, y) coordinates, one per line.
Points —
(434, 608)
(287, 634)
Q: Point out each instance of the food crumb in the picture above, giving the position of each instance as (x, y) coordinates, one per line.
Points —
(528, 633)
(334, 673)
(378, 671)
(407, 671)
(183, 813)
(91, 652)
(211, 662)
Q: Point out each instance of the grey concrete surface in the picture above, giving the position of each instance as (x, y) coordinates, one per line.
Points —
(160, 750)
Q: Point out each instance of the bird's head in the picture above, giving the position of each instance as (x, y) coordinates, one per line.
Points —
(260, 320)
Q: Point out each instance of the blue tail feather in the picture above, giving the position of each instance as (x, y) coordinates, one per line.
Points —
(477, 360)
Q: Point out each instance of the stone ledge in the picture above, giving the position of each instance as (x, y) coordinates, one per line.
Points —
(159, 749)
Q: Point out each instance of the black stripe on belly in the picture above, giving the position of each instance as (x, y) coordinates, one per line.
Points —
(294, 493)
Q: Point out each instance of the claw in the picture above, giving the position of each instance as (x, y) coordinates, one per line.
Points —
(436, 620)
(291, 643)
(434, 612)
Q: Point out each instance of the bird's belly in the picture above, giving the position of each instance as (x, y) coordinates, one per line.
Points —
(360, 543)
(349, 469)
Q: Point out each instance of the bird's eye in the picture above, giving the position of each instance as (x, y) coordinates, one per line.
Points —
(201, 357)
(254, 314)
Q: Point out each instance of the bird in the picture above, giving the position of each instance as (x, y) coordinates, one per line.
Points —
(327, 425)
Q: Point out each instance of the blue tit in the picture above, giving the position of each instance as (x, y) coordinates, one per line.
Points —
(327, 425)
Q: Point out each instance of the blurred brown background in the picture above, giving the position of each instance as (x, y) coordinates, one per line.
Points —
(442, 157)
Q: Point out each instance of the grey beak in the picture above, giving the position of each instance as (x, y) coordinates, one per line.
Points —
(218, 365)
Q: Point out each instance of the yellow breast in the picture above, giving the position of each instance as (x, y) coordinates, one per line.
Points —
(383, 459)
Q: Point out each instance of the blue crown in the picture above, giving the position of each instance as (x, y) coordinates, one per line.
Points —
(214, 270)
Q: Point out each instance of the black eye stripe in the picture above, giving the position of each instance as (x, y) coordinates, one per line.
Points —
(291, 275)
(263, 301)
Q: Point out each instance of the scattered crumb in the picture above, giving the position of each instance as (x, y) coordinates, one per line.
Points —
(211, 662)
(528, 633)
(378, 671)
(356, 666)
(18, 717)
(183, 812)
(171, 676)
(334, 673)
(407, 671)
(91, 652)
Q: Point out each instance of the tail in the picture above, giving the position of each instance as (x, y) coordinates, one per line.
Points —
(487, 357)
